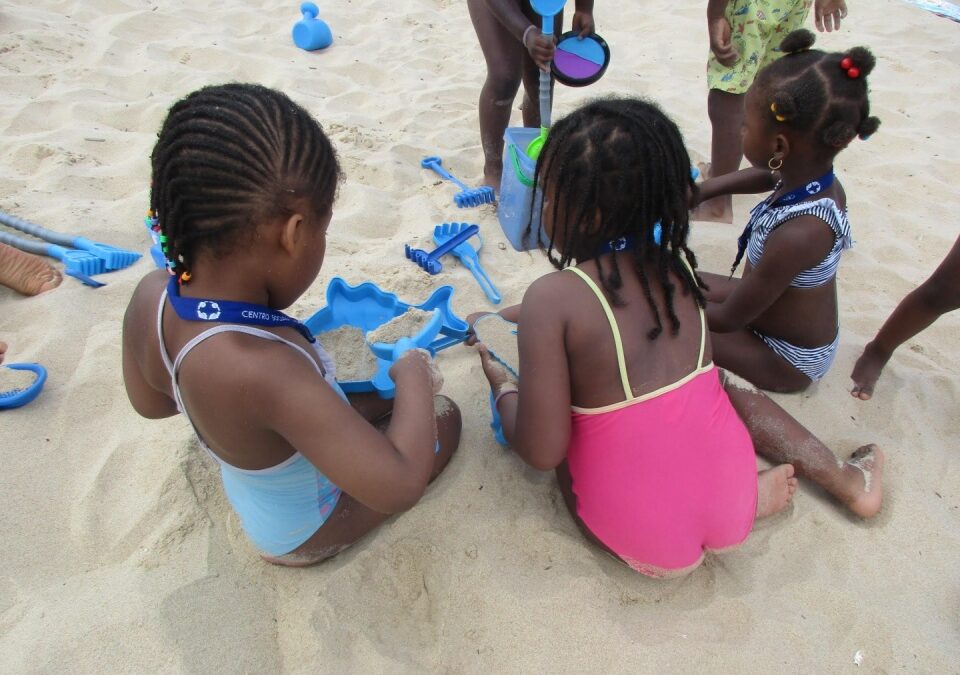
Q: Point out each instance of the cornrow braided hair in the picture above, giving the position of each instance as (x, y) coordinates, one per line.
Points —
(230, 156)
(823, 94)
(624, 160)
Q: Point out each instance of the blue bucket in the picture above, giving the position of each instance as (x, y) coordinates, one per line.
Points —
(516, 189)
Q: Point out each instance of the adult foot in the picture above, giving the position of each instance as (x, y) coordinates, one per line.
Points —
(867, 371)
(25, 273)
(864, 473)
(775, 488)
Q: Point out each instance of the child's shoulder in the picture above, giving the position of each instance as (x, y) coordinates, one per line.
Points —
(142, 308)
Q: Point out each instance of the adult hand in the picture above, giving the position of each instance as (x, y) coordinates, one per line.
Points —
(583, 23)
(720, 41)
(540, 47)
(827, 14)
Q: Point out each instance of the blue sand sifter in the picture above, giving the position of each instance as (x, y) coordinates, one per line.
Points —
(16, 398)
(580, 61)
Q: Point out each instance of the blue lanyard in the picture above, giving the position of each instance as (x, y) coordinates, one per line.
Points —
(793, 197)
(227, 311)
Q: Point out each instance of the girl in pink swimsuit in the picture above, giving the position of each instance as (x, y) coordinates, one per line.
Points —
(617, 389)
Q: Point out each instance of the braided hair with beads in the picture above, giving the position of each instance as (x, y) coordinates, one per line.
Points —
(822, 95)
(613, 169)
(230, 156)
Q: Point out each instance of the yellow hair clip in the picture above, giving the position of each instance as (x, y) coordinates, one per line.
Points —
(773, 109)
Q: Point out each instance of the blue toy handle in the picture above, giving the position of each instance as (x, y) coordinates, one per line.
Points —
(453, 242)
(309, 10)
(480, 274)
(434, 163)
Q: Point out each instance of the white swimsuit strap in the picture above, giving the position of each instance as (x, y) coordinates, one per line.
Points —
(248, 330)
(163, 347)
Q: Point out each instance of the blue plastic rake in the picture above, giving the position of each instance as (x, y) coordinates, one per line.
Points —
(111, 258)
(80, 265)
(467, 196)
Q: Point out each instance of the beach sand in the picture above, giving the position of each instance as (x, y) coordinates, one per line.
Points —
(120, 553)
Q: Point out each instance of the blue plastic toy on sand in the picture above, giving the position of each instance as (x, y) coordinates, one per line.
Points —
(431, 261)
(391, 351)
(468, 256)
(311, 33)
(467, 196)
(20, 397)
(367, 307)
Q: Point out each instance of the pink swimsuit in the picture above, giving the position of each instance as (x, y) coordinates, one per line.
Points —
(662, 477)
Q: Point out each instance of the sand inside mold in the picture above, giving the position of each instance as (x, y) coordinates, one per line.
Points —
(12, 380)
(407, 324)
(355, 362)
(499, 338)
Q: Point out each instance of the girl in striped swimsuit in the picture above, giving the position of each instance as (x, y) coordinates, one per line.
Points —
(778, 325)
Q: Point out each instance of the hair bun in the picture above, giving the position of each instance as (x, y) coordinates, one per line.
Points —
(868, 128)
(863, 59)
(798, 41)
(782, 106)
(838, 134)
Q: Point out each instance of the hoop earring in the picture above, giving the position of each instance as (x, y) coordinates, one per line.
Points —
(773, 159)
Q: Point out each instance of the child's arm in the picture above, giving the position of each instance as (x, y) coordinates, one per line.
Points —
(536, 421)
(719, 30)
(140, 314)
(795, 246)
(385, 472)
(583, 17)
(518, 25)
(744, 182)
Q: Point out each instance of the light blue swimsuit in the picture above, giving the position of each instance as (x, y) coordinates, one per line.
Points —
(283, 506)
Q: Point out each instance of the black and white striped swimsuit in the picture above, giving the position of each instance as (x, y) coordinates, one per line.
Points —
(814, 362)
(764, 219)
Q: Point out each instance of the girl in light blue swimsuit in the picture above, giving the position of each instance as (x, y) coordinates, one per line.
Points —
(778, 325)
(243, 188)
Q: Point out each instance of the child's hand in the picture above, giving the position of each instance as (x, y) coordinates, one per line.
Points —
(417, 361)
(541, 48)
(583, 23)
(497, 375)
(471, 320)
(720, 42)
(827, 14)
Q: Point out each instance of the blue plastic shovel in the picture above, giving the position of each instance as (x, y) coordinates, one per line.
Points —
(467, 255)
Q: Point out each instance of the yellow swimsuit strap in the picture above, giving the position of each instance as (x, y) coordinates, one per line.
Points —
(614, 328)
(703, 317)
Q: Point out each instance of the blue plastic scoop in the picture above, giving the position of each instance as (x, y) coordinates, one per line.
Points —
(467, 255)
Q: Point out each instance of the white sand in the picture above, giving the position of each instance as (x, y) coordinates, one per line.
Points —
(119, 551)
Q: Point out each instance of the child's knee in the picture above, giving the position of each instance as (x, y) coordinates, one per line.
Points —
(502, 87)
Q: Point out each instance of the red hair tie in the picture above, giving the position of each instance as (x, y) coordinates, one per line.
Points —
(852, 71)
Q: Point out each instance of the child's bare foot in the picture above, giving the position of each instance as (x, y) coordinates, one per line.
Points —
(867, 371)
(25, 273)
(492, 179)
(716, 210)
(775, 488)
(864, 471)
(3, 350)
